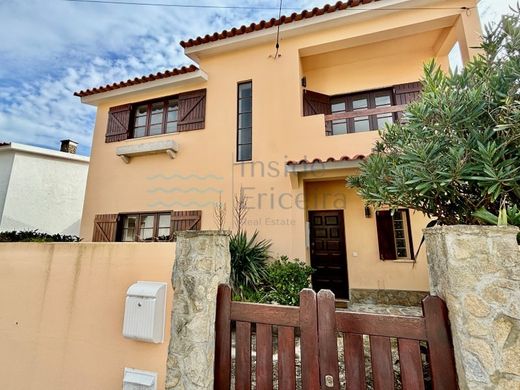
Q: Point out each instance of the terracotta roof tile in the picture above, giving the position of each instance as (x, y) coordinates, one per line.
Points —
(263, 24)
(138, 80)
(322, 161)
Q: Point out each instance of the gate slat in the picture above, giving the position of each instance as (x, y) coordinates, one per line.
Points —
(286, 359)
(264, 357)
(440, 349)
(354, 361)
(328, 342)
(243, 356)
(223, 339)
(411, 364)
(382, 368)
(309, 340)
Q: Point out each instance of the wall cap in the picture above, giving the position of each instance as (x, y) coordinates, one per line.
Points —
(471, 230)
(198, 233)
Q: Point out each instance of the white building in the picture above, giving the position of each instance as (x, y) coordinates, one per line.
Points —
(42, 189)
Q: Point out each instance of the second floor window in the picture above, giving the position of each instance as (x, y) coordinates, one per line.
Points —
(245, 122)
(156, 118)
(359, 102)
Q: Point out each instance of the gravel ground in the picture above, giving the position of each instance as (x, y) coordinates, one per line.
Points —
(379, 309)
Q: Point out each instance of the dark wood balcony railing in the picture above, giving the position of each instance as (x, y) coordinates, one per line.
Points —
(367, 112)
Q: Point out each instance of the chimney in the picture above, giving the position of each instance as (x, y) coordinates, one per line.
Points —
(68, 146)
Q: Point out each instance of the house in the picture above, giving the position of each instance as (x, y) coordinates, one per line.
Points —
(285, 127)
(42, 189)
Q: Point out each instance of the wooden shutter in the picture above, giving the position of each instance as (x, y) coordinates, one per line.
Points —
(192, 110)
(315, 103)
(385, 235)
(407, 93)
(105, 228)
(118, 128)
(186, 220)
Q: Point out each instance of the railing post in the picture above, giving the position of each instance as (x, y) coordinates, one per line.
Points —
(309, 340)
(223, 339)
(327, 340)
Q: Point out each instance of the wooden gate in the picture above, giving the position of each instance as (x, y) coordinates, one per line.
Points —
(381, 351)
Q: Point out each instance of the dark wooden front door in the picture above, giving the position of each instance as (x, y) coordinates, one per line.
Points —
(328, 252)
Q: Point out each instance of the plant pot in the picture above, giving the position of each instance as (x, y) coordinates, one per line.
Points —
(476, 270)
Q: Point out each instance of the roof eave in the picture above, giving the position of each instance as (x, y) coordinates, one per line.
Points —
(149, 86)
(322, 22)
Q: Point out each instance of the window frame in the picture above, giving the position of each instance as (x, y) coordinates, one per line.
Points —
(387, 237)
(348, 100)
(239, 129)
(140, 215)
(164, 121)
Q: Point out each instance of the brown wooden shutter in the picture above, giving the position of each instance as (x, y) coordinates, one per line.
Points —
(385, 235)
(118, 128)
(105, 228)
(186, 220)
(192, 110)
(315, 103)
(407, 93)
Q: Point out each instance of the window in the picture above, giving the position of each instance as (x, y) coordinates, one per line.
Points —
(146, 227)
(245, 122)
(358, 102)
(394, 235)
(156, 118)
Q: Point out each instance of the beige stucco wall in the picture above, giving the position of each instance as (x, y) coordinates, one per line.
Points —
(62, 308)
(355, 56)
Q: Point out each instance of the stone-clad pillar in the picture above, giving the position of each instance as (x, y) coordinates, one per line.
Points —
(202, 262)
(476, 270)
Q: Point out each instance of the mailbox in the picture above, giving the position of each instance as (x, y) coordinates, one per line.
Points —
(139, 380)
(145, 312)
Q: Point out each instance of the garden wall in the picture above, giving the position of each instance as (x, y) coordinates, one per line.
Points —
(61, 315)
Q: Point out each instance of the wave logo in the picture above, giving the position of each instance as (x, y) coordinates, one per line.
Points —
(190, 190)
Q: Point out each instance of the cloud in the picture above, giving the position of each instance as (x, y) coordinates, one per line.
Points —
(58, 47)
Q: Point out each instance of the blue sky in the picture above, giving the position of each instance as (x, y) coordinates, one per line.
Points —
(52, 48)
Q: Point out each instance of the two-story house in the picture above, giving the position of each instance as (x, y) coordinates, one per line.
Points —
(285, 127)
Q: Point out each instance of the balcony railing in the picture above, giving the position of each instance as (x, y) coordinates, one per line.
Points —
(361, 113)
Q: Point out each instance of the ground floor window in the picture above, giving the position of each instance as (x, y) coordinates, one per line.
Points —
(146, 227)
(394, 234)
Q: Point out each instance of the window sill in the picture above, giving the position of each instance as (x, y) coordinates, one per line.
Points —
(404, 261)
(169, 147)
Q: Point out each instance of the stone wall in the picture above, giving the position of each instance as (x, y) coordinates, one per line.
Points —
(387, 297)
(202, 262)
(476, 270)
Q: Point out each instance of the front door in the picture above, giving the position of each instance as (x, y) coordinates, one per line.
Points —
(328, 252)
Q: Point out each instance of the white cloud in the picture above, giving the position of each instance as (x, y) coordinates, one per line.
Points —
(58, 47)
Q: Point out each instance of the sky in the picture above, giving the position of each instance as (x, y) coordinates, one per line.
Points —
(53, 48)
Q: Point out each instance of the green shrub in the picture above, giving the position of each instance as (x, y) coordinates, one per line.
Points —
(285, 279)
(456, 157)
(248, 260)
(35, 236)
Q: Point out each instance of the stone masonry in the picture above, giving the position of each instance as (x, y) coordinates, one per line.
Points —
(476, 270)
(202, 262)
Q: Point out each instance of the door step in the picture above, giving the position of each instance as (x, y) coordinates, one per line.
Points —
(342, 303)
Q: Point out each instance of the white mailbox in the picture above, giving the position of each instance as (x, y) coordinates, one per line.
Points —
(139, 380)
(145, 311)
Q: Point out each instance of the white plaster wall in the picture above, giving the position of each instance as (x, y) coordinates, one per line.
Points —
(6, 162)
(44, 193)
